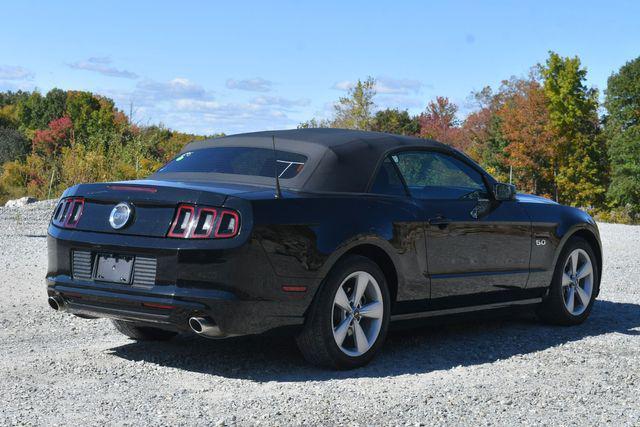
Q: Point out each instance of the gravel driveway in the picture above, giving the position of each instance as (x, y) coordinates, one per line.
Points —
(58, 369)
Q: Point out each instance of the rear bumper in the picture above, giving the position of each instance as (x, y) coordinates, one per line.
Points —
(172, 311)
(235, 288)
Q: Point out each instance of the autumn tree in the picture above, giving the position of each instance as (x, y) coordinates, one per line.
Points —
(440, 122)
(482, 130)
(580, 162)
(50, 141)
(525, 123)
(86, 139)
(622, 128)
(510, 134)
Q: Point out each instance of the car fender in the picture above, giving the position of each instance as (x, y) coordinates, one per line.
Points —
(577, 229)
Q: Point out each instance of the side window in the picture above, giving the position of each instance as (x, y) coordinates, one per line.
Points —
(388, 181)
(431, 175)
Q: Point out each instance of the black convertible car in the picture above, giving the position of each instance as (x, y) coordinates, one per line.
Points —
(329, 233)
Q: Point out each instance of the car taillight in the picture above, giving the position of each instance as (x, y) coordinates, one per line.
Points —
(203, 224)
(181, 226)
(228, 225)
(68, 212)
(194, 222)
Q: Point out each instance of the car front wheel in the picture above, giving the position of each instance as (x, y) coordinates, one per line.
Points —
(347, 323)
(574, 286)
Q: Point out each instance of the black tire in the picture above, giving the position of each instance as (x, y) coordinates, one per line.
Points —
(143, 333)
(316, 341)
(553, 310)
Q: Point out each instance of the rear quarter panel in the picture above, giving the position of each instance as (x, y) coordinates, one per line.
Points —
(305, 235)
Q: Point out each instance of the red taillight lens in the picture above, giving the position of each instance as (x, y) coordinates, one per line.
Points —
(68, 212)
(192, 222)
(228, 225)
(204, 223)
(75, 212)
(181, 226)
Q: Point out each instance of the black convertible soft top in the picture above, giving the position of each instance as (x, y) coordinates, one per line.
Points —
(339, 160)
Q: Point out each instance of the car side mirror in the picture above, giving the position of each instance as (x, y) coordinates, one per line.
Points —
(504, 192)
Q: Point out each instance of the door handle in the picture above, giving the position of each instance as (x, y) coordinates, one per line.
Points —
(440, 222)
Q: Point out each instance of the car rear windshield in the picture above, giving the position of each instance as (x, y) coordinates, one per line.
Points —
(239, 161)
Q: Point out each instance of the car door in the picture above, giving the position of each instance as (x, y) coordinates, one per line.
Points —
(478, 249)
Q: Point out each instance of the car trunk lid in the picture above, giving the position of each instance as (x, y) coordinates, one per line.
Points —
(153, 203)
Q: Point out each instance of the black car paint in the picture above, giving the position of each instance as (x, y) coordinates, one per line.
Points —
(432, 266)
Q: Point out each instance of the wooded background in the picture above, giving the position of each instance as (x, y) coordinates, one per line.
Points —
(549, 132)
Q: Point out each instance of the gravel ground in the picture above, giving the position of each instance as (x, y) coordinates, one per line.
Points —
(56, 369)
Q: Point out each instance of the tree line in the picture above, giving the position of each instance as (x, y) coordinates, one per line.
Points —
(548, 133)
(53, 141)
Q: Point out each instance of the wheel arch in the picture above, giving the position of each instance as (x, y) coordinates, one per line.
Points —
(383, 260)
(373, 250)
(591, 237)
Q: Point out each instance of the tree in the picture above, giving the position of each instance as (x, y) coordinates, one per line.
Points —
(49, 142)
(9, 117)
(622, 128)
(314, 123)
(54, 105)
(580, 162)
(482, 130)
(31, 112)
(354, 111)
(13, 145)
(525, 124)
(395, 121)
(87, 139)
(439, 122)
(511, 132)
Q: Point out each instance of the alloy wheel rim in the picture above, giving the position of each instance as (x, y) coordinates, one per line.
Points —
(357, 313)
(577, 282)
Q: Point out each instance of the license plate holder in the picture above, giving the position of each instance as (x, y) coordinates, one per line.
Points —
(114, 268)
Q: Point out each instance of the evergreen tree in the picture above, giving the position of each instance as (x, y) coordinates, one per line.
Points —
(395, 121)
(622, 128)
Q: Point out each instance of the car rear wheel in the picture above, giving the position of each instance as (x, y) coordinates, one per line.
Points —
(143, 333)
(347, 323)
(574, 286)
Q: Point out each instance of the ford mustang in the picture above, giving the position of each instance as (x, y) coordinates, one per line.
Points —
(326, 234)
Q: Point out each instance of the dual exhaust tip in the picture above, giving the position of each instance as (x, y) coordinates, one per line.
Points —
(200, 325)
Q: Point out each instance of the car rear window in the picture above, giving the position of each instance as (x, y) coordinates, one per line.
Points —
(250, 161)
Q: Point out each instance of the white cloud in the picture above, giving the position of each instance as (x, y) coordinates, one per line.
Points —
(187, 106)
(253, 85)
(10, 72)
(281, 102)
(386, 85)
(196, 105)
(103, 66)
(207, 117)
(343, 85)
(177, 88)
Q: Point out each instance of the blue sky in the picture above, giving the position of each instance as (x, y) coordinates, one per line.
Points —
(238, 66)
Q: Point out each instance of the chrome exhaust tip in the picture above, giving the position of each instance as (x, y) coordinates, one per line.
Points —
(205, 327)
(56, 303)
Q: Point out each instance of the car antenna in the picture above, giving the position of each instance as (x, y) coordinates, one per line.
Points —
(278, 194)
